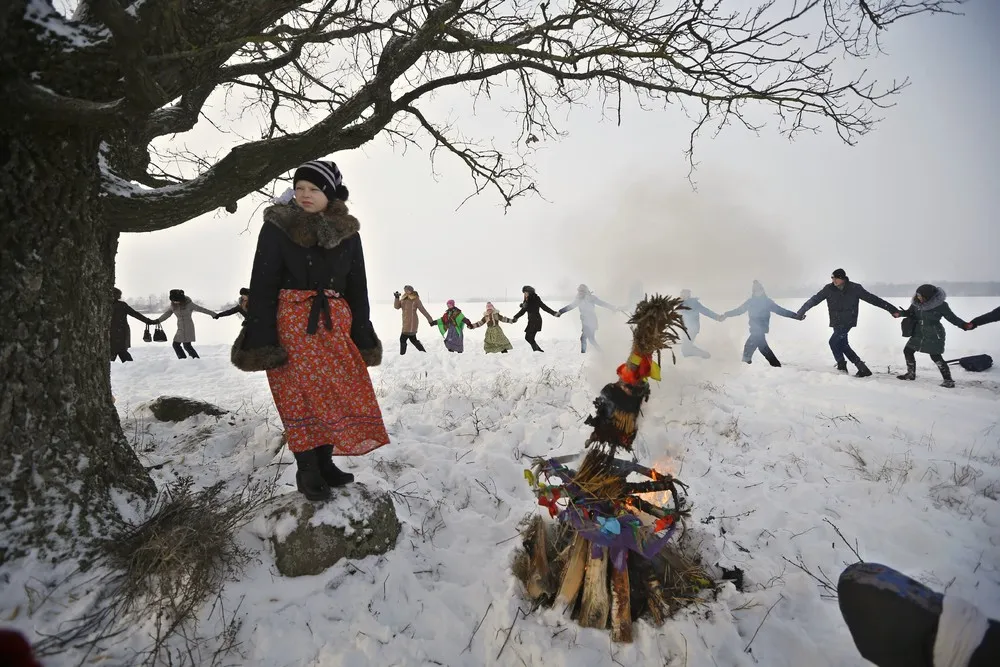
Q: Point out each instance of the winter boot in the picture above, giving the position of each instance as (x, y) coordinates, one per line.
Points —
(911, 371)
(402, 344)
(332, 475)
(842, 366)
(308, 478)
(946, 374)
(417, 344)
(863, 371)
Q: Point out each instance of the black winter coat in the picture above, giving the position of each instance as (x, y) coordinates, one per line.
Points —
(308, 251)
(121, 335)
(928, 332)
(986, 318)
(843, 303)
(532, 306)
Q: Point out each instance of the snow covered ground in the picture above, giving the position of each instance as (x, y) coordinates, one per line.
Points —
(910, 471)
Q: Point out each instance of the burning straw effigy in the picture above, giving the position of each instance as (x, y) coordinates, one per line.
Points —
(608, 549)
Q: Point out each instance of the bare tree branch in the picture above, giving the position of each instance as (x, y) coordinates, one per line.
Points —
(325, 76)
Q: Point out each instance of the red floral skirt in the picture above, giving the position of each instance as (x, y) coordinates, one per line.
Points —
(324, 394)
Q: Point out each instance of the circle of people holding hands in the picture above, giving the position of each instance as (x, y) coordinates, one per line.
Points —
(921, 322)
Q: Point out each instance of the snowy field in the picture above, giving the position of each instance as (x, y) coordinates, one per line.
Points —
(910, 471)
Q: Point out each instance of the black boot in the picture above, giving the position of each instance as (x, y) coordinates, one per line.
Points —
(911, 371)
(402, 344)
(863, 370)
(946, 374)
(332, 475)
(308, 478)
(842, 366)
(417, 344)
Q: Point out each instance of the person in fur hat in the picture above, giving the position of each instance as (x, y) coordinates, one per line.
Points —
(926, 333)
(495, 340)
(533, 305)
(121, 335)
(409, 302)
(452, 327)
(15, 650)
(308, 325)
(587, 301)
(759, 308)
(184, 308)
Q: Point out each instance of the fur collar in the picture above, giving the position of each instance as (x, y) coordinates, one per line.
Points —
(326, 230)
(931, 303)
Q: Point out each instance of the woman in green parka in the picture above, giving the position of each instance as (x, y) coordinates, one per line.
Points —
(496, 340)
(923, 324)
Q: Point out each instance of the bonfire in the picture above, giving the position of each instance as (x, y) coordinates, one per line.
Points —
(605, 550)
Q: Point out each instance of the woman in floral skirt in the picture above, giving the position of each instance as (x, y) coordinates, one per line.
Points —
(308, 326)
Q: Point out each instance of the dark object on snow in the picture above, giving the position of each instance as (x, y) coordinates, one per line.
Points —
(894, 620)
(734, 575)
(159, 336)
(977, 363)
(178, 408)
(15, 651)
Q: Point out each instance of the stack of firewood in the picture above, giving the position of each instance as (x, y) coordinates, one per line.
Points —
(607, 553)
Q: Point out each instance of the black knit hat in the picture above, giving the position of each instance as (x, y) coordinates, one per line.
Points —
(177, 295)
(927, 291)
(324, 175)
(839, 274)
(244, 291)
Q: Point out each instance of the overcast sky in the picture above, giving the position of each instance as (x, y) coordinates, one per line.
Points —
(916, 200)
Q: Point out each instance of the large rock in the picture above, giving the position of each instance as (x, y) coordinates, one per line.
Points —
(178, 408)
(310, 537)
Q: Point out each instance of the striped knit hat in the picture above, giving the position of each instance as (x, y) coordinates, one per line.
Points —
(324, 175)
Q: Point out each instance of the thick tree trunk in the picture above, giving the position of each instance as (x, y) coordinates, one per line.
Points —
(64, 460)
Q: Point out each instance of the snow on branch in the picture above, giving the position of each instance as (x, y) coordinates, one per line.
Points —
(325, 77)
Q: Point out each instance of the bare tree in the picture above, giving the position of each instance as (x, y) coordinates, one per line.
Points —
(93, 99)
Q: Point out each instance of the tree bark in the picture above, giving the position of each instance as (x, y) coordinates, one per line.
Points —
(65, 464)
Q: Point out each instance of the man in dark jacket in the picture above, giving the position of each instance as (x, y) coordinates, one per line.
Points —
(842, 299)
(692, 322)
(985, 318)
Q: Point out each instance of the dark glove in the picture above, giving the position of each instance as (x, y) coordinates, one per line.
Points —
(396, 294)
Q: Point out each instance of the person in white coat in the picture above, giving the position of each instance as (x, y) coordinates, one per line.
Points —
(586, 301)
